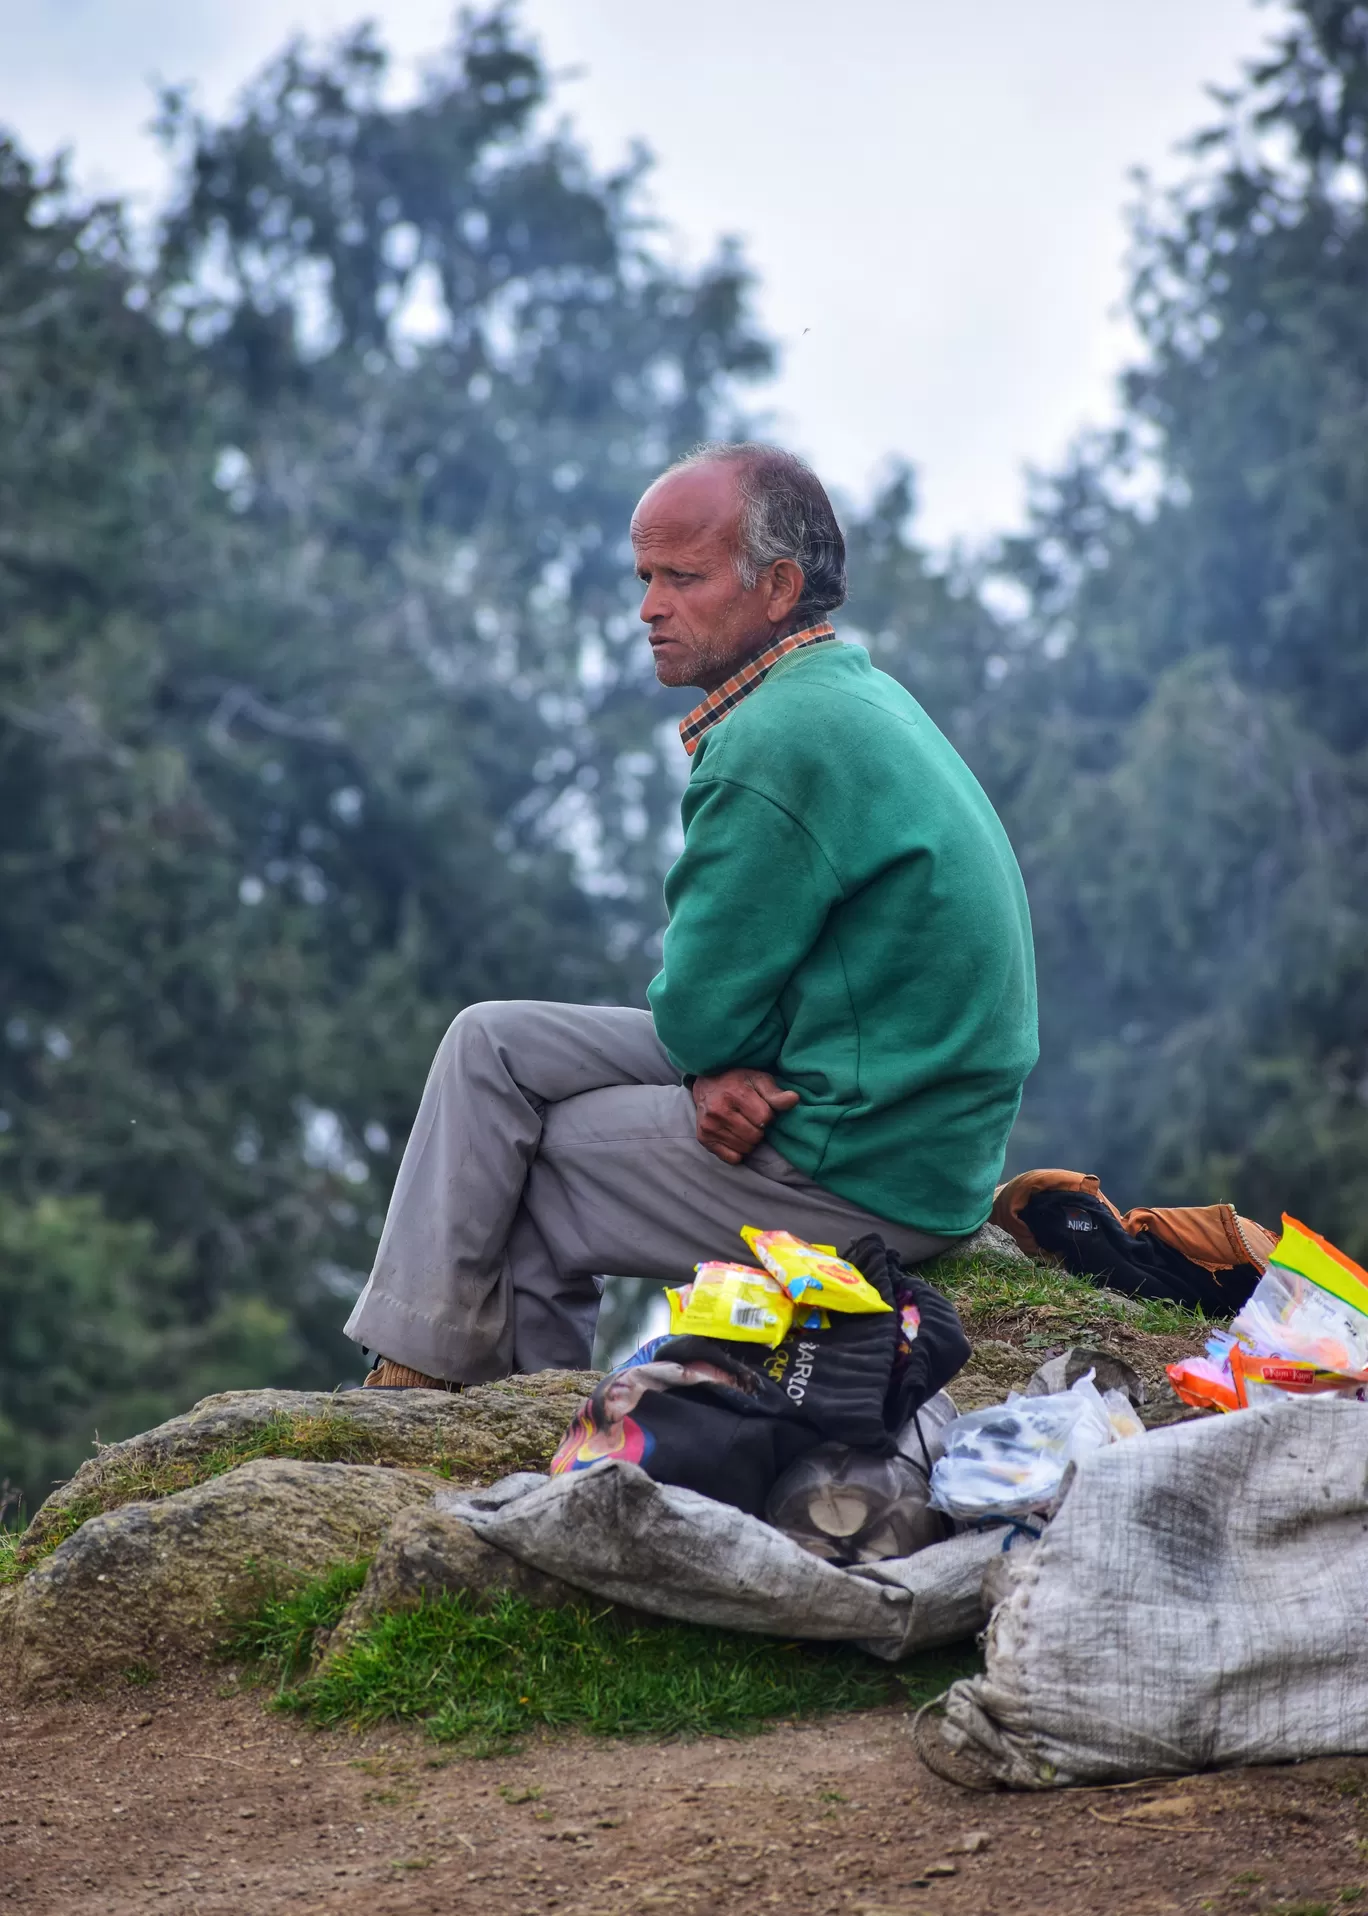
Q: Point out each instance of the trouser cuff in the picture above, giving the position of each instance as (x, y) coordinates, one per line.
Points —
(384, 1324)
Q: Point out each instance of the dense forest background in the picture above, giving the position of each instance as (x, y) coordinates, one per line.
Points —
(323, 710)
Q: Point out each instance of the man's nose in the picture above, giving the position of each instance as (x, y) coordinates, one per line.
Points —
(653, 604)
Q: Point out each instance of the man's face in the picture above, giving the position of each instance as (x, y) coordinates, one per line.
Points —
(703, 621)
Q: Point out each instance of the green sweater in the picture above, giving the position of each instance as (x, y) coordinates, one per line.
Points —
(847, 914)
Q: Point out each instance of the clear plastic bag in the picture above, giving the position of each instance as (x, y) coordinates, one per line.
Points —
(1290, 1316)
(1121, 1415)
(1010, 1460)
(922, 1437)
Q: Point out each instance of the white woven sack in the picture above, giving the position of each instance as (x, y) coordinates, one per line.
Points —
(614, 1532)
(1200, 1600)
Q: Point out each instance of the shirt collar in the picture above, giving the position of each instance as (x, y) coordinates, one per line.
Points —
(727, 697)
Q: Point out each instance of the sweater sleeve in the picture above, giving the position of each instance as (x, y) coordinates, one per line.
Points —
(747, 899)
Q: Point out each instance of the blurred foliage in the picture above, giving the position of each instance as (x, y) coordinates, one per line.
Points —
(1179, 736)
(322, 712)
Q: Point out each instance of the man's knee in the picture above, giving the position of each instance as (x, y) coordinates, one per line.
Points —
(496, 1024)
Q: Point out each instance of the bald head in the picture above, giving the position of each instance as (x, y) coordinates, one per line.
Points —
(719, 542)
(690, 501)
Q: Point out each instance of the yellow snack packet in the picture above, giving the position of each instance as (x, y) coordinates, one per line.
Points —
(810, 1274)
(731, 1301)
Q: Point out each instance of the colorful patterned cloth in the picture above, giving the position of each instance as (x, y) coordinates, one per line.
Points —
(727, 697)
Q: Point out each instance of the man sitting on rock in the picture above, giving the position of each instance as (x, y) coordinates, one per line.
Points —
(845, 1012)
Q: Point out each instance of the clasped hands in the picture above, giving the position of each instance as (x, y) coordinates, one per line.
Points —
(734, 1107)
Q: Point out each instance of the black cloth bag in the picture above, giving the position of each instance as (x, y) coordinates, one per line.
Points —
(1090, 1240)
(727, 1419)
(695, 1412)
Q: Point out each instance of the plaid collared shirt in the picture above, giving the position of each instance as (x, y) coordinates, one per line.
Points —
(727, 697)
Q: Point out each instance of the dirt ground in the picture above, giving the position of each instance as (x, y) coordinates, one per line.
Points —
(179, 1799)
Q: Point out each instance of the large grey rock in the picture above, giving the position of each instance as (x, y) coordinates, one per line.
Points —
(993, 1241)
(470, 1437)
(150, 1582)
(1110, 1372)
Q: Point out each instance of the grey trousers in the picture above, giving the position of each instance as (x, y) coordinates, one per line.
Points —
(555, 1143)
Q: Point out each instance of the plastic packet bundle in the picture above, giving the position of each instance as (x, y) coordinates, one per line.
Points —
(1303, 1332)
(1231, 1376)
(734, 1302)
(1010, 1460)
(1206, 1382)
(812, 1274)
(1261, 1378)
(1293, 1317)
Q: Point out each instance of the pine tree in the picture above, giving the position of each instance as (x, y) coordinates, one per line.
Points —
(322, 712)
(1180, 740)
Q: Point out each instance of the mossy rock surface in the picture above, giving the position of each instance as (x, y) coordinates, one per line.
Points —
(1019, 1312)
(469, 1437)
(155, 1545)
(149, 1583)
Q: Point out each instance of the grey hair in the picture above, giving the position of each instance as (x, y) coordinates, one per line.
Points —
(785, 514)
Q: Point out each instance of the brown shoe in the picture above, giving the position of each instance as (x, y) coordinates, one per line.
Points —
(388, 1375)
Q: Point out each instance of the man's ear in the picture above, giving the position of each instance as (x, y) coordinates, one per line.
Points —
(785, 590)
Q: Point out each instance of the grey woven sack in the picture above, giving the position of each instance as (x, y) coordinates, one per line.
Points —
(1200, 1600)
(616, 1533)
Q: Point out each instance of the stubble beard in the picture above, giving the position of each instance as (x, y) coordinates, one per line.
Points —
(709, 658)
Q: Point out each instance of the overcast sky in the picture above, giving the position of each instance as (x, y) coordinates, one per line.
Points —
(933, 194)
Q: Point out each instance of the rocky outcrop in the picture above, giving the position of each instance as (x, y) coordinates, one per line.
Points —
(159, 1545)
(469, 1437)
(149, 1582)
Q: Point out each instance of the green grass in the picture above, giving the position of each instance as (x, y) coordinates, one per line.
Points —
(986, 1285)
(279, 1638)
(326, 1437)
(10, 1567)
(482, 1677)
